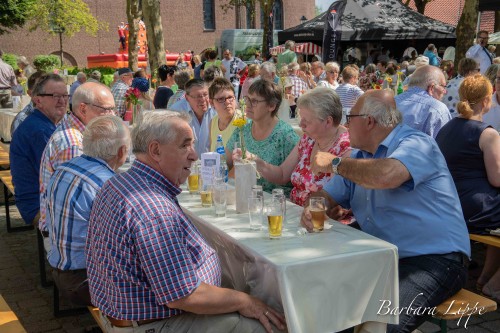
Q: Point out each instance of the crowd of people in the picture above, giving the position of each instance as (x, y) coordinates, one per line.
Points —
(392, 148)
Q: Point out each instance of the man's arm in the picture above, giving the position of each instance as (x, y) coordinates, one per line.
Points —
(473, 51)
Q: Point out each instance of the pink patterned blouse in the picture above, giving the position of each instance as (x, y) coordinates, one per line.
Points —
(303, 180)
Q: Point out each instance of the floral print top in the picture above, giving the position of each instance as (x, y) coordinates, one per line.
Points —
(303, 180)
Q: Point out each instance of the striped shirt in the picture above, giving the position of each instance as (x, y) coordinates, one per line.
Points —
(142, 250)
(118, 90)
(64, 144)
(70, 194)
(348, 94)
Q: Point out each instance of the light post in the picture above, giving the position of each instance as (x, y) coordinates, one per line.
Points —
(60, 30)
(303, 19)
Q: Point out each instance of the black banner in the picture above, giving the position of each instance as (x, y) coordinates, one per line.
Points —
(332, 32)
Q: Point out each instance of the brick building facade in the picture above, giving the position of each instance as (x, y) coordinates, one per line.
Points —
(184, 27)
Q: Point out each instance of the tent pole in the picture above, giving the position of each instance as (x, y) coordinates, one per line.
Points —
(478, 25)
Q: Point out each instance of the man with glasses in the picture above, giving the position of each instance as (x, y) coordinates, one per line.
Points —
(50, 97)
(90, 101)
(492, 117)
(120, 88)
(479, 52)
(421, 104)
(197, 105)
(318, 70)
(399, 188)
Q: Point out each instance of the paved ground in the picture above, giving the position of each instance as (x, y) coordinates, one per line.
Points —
(20, 286)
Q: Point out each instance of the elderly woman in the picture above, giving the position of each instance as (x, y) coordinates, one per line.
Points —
(265, 135)
(320, 115)
(253, 73)
(332, 70)
(466, 67)
(472, 151)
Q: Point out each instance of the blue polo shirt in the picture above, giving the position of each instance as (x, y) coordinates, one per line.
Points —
(423, 215)
(26, 148)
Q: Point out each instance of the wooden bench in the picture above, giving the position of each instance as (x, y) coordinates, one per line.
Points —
(95, 312)
(4, 159)
(486, 239)
(9, 323)
(8, 192)
(454, 307)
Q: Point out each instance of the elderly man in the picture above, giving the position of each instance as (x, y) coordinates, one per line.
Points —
(398, 186)
(318, 70)
(147, 264)
(288, 56)
(81, 78)
(421, 104)
(70, 194)
(349, 91)
(7, 82)
(30, 107)
(479, 52)
(197, 105)
(493, 116)
(90, 100)
(120, 88)
(50, 98)
(234, 69)
(268, 72)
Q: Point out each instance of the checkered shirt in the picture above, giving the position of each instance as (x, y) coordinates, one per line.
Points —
(118, 90)
(142, 250)
(299, 85)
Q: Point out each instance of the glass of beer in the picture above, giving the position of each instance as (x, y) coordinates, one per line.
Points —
(317, 208)
(275, 214)
(194, 178)
(205, 193)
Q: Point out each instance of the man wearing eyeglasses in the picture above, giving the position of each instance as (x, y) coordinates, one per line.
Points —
(90, 101)
(479, 52)
(421, 104)
(50, 98)
(400, 190)
(197, 105)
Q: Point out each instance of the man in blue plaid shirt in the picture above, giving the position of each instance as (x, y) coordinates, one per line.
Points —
(149, 268)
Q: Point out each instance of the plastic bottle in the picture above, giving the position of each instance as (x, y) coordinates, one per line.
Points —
(219, 148)
(400, 87)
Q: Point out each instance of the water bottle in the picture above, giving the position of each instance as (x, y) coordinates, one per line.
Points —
(219, 148)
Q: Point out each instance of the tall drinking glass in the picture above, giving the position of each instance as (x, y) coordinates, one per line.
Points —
(255, 212)
(194, 178)
(275, 214)
(318, 213)
(279, 194)
(219, 197)
(205, 193)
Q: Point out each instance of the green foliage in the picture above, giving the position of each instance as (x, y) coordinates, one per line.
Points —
(14, 14)
(11, 59)
(46, 63)
(66, 16)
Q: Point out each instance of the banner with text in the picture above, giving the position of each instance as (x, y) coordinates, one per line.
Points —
(332, 32)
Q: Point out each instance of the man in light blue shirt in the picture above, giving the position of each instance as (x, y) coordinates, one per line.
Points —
(399, 188)
(421, 104)
(197, 105)
(70, 195)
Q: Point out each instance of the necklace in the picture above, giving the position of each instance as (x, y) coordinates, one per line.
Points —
(329, 143)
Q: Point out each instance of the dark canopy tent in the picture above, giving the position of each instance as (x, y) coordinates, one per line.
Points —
(486, 5)
(374, 20)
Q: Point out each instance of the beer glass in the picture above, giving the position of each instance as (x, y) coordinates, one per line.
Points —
(317, 208)
(194, 178)
(205, 193)
(275, 215)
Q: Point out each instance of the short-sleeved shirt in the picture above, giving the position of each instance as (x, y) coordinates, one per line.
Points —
(274, 149)
(64, 144)
(423, 215)
(26, 149)
(348, 94)
(118, 90)
(214, 132)
(451, 98)
(142, 251)
(70, 194)
(162, 96)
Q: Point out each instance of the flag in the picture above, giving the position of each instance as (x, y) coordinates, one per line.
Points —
(332, 32)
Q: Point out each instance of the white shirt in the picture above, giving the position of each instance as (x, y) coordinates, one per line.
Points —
(477, 53)
(493, 116)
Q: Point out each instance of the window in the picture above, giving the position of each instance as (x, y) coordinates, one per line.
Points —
(277, 15)
(209, 14)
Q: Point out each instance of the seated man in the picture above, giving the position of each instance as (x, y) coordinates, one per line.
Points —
(70, 194)
(400, 190)
(147, 264)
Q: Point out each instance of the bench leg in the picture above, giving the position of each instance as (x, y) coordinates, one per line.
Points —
(66, 312)
(41, 260)
(7, 214)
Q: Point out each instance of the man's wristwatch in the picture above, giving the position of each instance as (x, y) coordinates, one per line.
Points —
(335, 164)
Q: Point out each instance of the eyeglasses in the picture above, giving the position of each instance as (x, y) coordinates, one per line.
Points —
(110, 109)
(349, 116)
(222, 100)
(202, 96)
(482, 37)
(441, 85)
(55, 96)
(252, 102)
(332, 72)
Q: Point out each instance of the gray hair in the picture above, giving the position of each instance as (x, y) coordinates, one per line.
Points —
(156, 125)
(320, 64)
(425, 76)
(385, 114)
(181, 78)
(81, 75)
(324, 102)
(268, 67)
(40, 84)
(103, 137)
(293, 66)
(289, 44)
(83, 95)
(332, 65)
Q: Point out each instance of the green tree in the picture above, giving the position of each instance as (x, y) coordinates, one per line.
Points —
(134, 13)
(154, 32)
(466, 28)
(317, 10)
(14, 14)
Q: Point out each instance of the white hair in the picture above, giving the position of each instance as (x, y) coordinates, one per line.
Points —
(103, 137)
(324, 102)
(385, 114)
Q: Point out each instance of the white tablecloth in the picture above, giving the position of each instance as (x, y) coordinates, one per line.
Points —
(323, 282)
(6, 118)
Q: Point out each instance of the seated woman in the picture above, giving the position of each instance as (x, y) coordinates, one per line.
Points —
(472, 151)
(320, 115)
(265, 134)
(222, 99)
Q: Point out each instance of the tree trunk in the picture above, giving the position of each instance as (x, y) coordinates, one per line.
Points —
(466, 29)
(267, 7)
(154, 32)
(497, 22)
(134, 14)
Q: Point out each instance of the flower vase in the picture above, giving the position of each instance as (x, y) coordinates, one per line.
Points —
(242, 145)
(245, 177)
(128, 116)
(137, 114)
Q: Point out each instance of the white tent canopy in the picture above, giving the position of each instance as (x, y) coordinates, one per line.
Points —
(494, 38)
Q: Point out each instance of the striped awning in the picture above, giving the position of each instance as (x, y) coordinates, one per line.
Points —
(305, 48)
